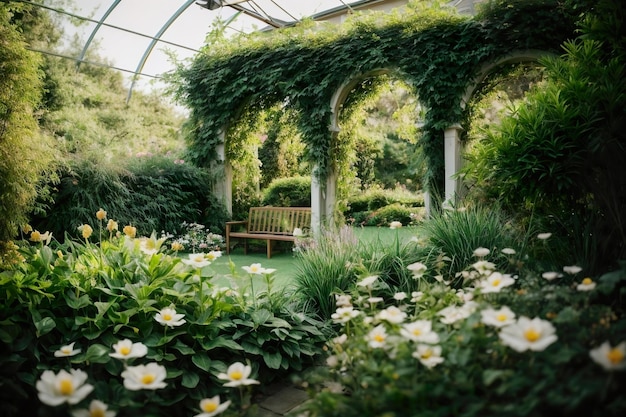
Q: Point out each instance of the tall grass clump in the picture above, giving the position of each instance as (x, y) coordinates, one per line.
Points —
(324, 268)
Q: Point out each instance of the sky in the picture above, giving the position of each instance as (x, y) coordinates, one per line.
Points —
(124, 50)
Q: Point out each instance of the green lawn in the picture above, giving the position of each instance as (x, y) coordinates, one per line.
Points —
(228, 268)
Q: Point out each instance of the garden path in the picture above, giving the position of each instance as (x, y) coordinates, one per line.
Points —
(283, 399)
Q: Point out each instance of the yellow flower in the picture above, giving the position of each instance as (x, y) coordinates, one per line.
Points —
(27, 228)
(177, 246)
(35, 236)
(101, 214)
(130, 231)
(86, 230)
(112, 225)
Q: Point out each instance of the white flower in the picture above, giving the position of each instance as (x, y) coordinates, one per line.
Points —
(484, 267)
(367, 281)
(610, 358)
(392, 315)
(429, 356)
(213, 255)
(498, 318)
(340, 340)
(417, 269)
(586, 285)
(96, 409)
(465, 296)
(377, 336)
(211, 406)
(572, 269)
(416, 296)
(395, 225)
(344, 314)
(453, 314)
(508, 251)
(495, 282)
(399, 296)
(237, 374)
(64, 387)
(481, 252)
(297, 232)
(169, 317)
(544, 236)
(535, 334)
(374, 300)
(551, 275)
(420, 331)
(67, 350)
(150, 376)
(125, 349)
(197, 260)
(343, 300)
(257, 269)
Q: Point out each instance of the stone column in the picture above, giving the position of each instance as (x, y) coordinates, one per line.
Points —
(453, 155)
(223, 187)
(323, 196)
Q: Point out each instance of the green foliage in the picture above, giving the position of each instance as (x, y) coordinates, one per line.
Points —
(303, 68)
(369, 208)
(561, 153)
(151, 193)
(94, 296)
(393, 212)
(288, 192)
(26, 156)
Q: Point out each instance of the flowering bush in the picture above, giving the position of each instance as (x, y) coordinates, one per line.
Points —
(196, 237)
(124, 328)
(512, 343)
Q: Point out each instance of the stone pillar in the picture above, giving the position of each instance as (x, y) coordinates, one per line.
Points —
(453, 155)
(323, 196)
(223, 187)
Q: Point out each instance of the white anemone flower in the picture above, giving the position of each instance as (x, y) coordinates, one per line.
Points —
(96, 409)
(169, 317)
(344, 314)
(544, 236)
(572, 269)
(551, 275)
(213, 255)
(498, 318)
(587, 284)
(420, 331)
(150, 376)
(452, 314)
(212, 406)
(399, 296)
(377, 336)
(609, 357)
(525, 334)
(483, 267)
(417, 269)
(481, 252)
(125, 349)
(416, 296)
(367, 281)
(197, 260)
(343, 300)
(238, 374)
(392, 315)
(495, 282)
(67, 350)
(257, 269)
(64, 387)
(429, 356)
(395, 225)
(508, 251)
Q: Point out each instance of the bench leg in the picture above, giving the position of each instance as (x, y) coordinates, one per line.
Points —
(227, 243)
(245, 246)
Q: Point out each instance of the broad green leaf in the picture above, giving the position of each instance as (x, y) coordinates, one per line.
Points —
(190, 379)
(44, 326)
(202, 361)
(97, 353)
(272, 359)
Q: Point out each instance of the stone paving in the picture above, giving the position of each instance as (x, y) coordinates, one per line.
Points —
(282, 400)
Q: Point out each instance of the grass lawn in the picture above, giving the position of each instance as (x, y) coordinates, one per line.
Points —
(228, 268)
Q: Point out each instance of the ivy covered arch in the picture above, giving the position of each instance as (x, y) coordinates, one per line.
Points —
(441, 53)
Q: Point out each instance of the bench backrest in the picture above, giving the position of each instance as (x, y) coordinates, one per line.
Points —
(278, 220)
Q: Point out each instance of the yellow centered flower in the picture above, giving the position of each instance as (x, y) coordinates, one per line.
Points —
(417, 332)
(124, 350)
(427, 354)
(66, 387)
(615, 356)
(254, 268)
(101, 214)
(148, 379)
(501, 317)
(177, 246)
(495, 282)
(379, 338)
(66, 349)
(532, 335)
(587, 281)
(209, 407)
(236, 375)
(97, 412)
(130, 231)
(35, 236)
(167, 317)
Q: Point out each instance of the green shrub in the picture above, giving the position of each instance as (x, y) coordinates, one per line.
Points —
(93, 296)
(393, 212)
(288, 192)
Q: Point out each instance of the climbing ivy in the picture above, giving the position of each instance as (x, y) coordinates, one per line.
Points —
(435, 50)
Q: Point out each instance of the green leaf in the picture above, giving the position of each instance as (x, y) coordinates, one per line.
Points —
(44, 326)
(97, 354)
(202, 361)
(221, 342)
(190, 379)
(261, 316)
(272, 359)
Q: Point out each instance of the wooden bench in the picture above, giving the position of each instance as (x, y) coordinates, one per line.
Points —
(269, 224)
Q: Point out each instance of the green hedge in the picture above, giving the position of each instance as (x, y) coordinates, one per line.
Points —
(288, 192)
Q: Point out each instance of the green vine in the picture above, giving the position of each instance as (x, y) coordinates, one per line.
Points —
(435, 50)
